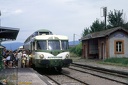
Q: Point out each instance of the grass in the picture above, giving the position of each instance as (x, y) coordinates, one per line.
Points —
(116, 61)
(110, 61)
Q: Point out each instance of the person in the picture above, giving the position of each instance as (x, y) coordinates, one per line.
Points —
(30, 59)
(19, 56)
(4, 52)
(12, 58)
(27, 59)
(24, 59)
(5, 55)
(16, 58)
(8, 62)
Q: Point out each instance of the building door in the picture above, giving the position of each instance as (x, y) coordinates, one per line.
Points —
(84, 51)
(102, 50)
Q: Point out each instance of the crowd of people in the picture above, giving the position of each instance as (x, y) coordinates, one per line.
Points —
(20, 58)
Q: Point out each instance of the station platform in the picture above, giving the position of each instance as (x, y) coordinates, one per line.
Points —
(21, 76)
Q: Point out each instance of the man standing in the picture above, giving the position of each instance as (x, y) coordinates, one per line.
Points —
(19, 55)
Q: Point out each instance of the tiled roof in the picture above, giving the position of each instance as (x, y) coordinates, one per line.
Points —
(102, 33)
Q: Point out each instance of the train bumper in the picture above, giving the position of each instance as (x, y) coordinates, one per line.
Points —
(55, 63)
(67, 62)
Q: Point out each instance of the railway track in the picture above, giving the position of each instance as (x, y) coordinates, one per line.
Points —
(118, 77)
(103, 70)
(59, 78)
(64, 79)
(82, 75)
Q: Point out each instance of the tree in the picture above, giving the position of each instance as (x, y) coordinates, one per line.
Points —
(126, 25)
(115, 19)
(97, 26)
(85, 32)
(77, 49)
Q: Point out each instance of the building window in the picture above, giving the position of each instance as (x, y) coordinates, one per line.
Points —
(119, 47)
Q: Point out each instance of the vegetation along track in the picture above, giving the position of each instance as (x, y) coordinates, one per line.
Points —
(112, 75)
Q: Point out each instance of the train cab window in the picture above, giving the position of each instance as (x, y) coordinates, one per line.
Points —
(53, 45)
(64, 44)
(41, 45)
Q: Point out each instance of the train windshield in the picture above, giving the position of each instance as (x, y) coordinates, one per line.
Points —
(65, 45)
(53, 45)
(41, 45)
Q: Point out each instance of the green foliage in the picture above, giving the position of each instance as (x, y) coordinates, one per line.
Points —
(76, 50)
(115, 18)
(97, 26)
(85, 32)
(120, 61)
(126, 25)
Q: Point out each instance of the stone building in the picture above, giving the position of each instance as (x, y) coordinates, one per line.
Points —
(106, 44)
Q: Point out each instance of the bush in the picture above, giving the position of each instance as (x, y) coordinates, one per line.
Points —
(76, 50)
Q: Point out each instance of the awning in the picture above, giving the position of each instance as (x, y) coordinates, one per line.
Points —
(8, 33)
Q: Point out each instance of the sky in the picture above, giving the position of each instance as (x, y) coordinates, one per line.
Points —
(63, 17)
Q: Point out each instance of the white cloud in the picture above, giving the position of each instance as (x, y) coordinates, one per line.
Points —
(18, 11)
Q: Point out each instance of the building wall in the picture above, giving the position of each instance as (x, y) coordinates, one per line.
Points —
(85, 49)
(119, 35)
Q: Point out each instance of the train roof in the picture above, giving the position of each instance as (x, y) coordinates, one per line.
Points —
(36, 33)
(45, 37)
(43, 30)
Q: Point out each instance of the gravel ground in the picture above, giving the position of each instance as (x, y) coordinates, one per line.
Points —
(90, 79)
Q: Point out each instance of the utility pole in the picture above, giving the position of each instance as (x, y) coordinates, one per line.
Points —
(74, 39)
(74, 36)
(0, 17)
(105, 15)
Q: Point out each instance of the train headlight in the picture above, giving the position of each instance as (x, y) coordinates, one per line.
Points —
(67, 56)
(41, 56)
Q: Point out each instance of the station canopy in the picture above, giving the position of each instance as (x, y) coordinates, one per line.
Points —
(8, 33)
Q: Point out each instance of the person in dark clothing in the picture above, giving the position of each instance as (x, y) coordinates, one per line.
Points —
(6, 58)
(12, 58)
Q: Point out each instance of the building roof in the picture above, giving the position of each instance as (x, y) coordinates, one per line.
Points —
(103, 33)
(8, 33)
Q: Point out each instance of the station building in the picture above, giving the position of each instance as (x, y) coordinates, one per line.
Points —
(106, 44)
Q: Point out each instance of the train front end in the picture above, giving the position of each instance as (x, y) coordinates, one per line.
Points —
(52, 53)
(49, 60)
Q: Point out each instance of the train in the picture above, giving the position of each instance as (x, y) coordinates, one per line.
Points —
(48, 50)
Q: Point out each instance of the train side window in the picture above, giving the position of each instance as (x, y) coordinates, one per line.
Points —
(33, 45)
(64, 44)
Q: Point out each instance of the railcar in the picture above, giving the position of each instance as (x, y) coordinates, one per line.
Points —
(48, 50)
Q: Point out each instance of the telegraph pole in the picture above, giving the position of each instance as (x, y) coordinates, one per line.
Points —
(105, 15)
(0, 17)
(74, 39)
(74, 36)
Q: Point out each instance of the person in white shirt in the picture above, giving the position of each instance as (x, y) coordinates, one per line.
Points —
(19, 55)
